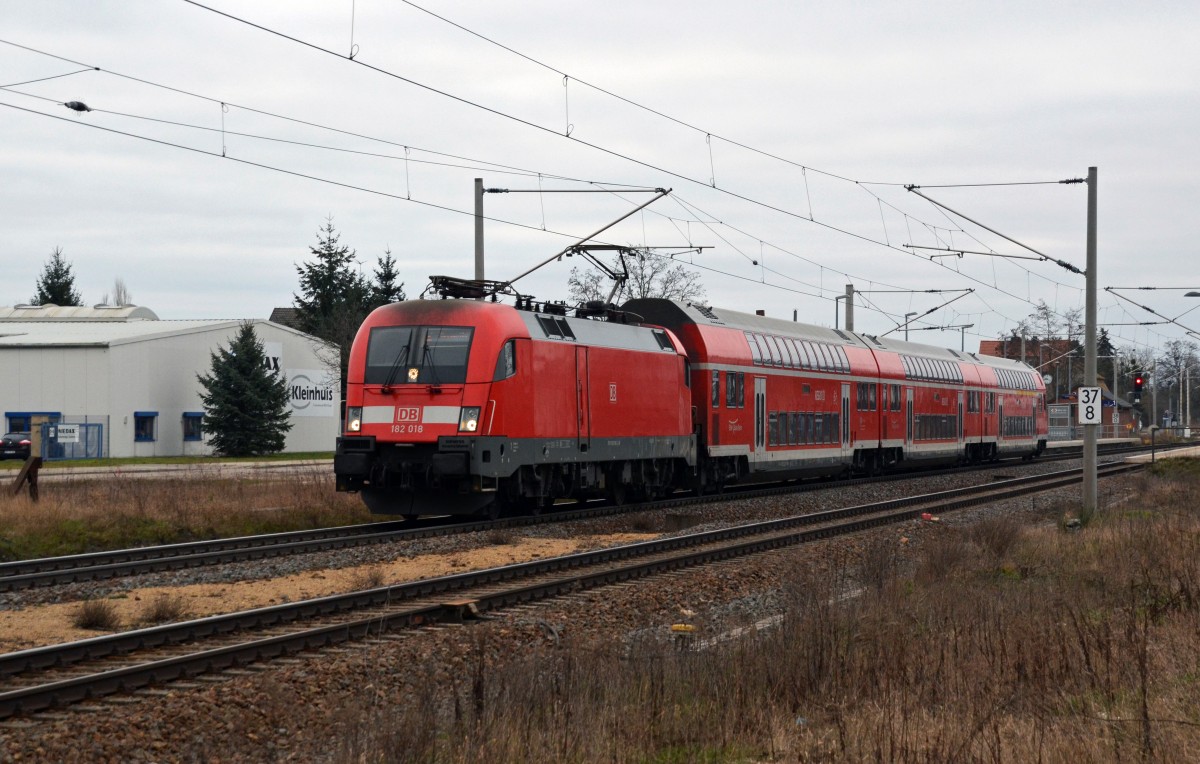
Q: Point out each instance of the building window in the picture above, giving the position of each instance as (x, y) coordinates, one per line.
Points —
(192, 429)
(22, 421)
(144, 425)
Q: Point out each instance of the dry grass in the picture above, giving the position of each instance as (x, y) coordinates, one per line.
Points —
(990, 644)
(371, 577)
(164, 608)
(100, 615)
(501, 536)
(87, 515)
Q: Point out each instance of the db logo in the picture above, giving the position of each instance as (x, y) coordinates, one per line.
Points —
(408, 414)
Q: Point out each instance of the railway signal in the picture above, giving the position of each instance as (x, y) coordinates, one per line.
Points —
(1138, 382)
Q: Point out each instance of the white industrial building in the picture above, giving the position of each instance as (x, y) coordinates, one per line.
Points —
(128, 379)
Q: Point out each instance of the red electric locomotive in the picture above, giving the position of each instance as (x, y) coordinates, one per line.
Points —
(461, 406)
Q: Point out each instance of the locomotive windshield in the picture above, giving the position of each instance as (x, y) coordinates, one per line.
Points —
(418, 355)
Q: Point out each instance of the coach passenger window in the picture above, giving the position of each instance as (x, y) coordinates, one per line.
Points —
(716, 389)
(755, 353)
(778, 355)
(506, 363)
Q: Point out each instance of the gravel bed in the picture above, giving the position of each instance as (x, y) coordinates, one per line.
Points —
(308, 709)
(689, 520)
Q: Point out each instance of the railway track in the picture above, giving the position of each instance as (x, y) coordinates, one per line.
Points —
(53, 571)
(60, 675)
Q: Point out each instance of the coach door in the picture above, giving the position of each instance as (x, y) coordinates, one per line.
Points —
(960, 417)
(584, 420)
(845, 415)
(760, 413)
(908, 407)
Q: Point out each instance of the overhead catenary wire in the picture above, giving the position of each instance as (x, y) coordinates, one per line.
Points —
(820, 223)
(886, 242)
(620, 187)
(286, 171)
(709, 135)
(543, 128)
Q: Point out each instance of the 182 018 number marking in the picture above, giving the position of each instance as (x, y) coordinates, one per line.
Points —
(403, 429)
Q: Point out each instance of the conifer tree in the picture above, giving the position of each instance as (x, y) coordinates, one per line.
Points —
(245, 404)
(57, 285)
(385, 289)
(334, 298)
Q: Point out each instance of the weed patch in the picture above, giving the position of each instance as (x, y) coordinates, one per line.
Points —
(74, 517)
(164, 608)
(97, 614)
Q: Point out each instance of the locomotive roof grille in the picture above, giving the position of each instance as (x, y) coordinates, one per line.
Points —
(706, 311)
(555, 327)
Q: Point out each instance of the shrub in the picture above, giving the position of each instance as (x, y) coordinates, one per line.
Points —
(367, 578)
(500, 536)
(164, 608)
(100, 615)
(996, 535)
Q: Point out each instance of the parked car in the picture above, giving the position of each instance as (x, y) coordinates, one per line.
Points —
(15, 445)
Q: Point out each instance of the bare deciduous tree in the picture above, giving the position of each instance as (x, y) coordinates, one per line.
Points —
(120, 294)
(650, 275)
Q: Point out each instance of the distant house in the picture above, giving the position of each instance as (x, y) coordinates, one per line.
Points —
(285, 317)
(1037, 352)
(1120, 418)
(127, 380)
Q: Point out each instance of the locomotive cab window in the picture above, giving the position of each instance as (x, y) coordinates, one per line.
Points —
(506, 362)
(421, 355)
(664, 342)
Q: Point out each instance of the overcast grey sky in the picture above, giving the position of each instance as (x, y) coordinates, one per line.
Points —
(835, 106)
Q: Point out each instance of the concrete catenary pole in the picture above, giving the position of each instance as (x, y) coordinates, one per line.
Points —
(849, 307)
(479, 229)
(1089, 363)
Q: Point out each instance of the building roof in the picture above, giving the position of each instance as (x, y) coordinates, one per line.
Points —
(104, 326)
(1011, 348)
(100, 333)
(50, 312)
(286, 316)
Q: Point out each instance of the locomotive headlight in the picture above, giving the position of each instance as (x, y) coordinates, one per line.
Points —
(353, 418)
(468, 421)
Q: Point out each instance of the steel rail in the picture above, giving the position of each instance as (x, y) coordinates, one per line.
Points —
(52, 571)
(422, 602)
